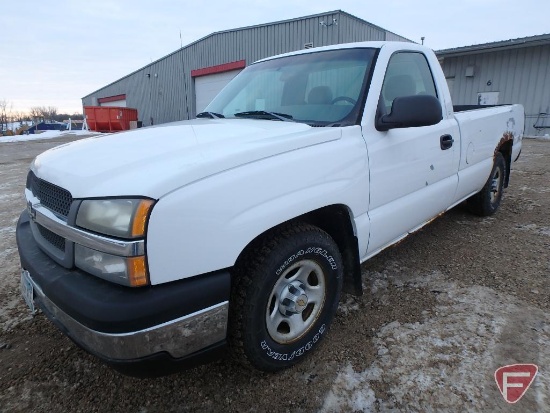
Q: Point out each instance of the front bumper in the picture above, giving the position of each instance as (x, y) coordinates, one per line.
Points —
(176, 322)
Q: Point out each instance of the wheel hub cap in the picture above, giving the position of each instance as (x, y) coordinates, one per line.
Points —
(293, 298)
(296, 301)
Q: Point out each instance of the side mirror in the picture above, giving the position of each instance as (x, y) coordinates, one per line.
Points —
(411, 111)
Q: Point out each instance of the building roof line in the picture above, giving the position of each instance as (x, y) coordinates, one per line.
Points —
(374, 25)
(529, 41)
(217, 34)
(221, 32)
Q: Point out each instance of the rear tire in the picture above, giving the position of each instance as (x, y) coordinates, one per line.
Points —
(284, 296)
(487, 201)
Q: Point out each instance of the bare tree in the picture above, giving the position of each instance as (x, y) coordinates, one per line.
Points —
(36, 114)
(77, 115)
(51, 113)
(3, 115)
(18, 118)
(44, 113)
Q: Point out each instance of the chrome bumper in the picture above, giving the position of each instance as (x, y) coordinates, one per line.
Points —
(179, 338)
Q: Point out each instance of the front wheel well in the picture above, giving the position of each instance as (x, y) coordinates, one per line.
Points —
(336, 221)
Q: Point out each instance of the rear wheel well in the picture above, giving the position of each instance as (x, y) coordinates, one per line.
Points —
(335, 220)
(506, 150)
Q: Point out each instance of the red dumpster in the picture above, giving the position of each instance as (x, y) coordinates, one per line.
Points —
(109, 118)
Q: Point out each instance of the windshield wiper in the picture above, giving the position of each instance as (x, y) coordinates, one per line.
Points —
(211, 115)
(263, 114)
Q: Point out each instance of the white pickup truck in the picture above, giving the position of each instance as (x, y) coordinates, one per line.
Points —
(159, 248)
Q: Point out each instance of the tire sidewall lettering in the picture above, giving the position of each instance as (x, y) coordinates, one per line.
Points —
(272, 354)
(322, 252)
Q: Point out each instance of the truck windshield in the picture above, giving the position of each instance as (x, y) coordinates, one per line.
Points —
(320, 89)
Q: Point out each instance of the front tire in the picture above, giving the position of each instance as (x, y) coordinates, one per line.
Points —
(487, 201)
(284, 296)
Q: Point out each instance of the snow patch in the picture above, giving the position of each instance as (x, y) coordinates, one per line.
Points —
(46, 135)
(13, 312)
(534, 228)
(447, 363)
(8, 251)
(351, 391)
(9, 196)
(350, 305)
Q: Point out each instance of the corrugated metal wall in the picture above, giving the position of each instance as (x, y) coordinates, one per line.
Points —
(164, 90)
(520, 75)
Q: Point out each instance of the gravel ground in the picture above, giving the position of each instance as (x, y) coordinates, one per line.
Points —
(441, 311)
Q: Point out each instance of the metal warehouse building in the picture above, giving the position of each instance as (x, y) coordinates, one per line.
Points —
(181, 84)
(512, 71)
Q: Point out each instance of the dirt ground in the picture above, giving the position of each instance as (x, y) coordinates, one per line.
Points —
(441, 312)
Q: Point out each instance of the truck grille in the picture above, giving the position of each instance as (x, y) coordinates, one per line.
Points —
(51, 196)
(54, 239)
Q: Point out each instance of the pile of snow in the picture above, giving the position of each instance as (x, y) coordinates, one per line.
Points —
(47, 135)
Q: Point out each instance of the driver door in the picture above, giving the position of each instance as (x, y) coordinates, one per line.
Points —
(412, 177)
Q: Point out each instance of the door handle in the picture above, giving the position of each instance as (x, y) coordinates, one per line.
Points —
(446, 141)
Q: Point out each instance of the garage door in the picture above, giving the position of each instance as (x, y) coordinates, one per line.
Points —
(120, 103)
(116, 100)
(206, 87)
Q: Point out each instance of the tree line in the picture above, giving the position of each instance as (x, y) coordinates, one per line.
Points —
(50, 114)
(35, 115)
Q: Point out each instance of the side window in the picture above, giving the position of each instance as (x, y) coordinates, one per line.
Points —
(408, 74)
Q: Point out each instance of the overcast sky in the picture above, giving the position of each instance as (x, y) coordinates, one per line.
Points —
(54, 53)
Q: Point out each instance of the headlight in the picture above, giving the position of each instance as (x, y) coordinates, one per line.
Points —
(130, 271)
(124, 218)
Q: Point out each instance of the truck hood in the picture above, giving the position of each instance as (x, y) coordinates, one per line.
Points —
(154, 161)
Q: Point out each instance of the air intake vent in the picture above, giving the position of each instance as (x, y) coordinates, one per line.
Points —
(51, 196)
(54, 239)
(308, 45)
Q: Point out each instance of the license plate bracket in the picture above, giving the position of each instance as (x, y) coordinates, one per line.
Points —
(27, 290)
